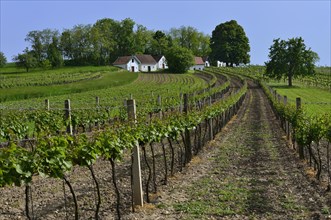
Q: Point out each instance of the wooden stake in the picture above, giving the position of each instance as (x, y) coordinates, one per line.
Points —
(159, 104)
(97, 101)
(136, 168)
(67, 110)
(300, 148)
(47, 104)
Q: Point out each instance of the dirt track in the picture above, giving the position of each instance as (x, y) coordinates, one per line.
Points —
(247, 172)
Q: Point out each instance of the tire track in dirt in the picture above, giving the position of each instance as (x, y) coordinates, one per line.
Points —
(247, 172)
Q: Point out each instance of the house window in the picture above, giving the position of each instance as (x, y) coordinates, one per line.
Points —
(132, 60)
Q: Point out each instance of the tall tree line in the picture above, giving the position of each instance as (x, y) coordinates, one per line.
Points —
(102, 42)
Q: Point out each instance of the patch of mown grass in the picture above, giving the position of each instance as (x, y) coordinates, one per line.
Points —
(11, 68)
(213, 197)
(314, 100)
(289, 203)
(216, 195)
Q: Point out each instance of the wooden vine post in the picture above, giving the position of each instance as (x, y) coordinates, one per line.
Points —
(300, 148)
(47, 104)
(287, 124)
(159, 105)
(137, 192)
(187, 141)
(97, 101)
(211, 136)
(67, 110)
(298, 103)
(181, 103)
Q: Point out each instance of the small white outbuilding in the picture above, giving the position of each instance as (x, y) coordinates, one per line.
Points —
(199, 64)
(221, 64)
(141, 62)
(129, 63)
(161, 62)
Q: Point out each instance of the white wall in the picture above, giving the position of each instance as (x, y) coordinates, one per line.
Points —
(144, 67)
(161, 62)
(197, 67)
(221, 64)
(135, 64)
(129, 65)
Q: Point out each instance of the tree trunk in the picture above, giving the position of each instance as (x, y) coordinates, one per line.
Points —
(289, 79)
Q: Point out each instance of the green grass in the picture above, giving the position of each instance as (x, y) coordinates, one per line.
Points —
(110, 77)
(215, 198)
(314, 100)
(11, 68)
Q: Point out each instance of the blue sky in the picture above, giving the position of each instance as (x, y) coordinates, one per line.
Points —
(262, 21)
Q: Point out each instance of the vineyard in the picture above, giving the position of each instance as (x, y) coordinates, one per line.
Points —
(45, 83)
(36, 142)
(71, 156)
(306, 121)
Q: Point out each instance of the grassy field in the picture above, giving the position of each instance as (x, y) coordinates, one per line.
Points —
(314, 91)
(314, 100)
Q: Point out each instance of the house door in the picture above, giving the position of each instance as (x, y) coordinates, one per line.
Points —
(149, 68)
(132, 68)
(163, 67)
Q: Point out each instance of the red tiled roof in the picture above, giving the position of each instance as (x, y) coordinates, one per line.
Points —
(122, 60)
(146, 59)
(142, 58)
(198, 61)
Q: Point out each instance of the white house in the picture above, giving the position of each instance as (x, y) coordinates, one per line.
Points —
(129, 63)
(161, 62)
(198, 64)
(147, 63)
(221, 64)
(206, 61)
(136, 63)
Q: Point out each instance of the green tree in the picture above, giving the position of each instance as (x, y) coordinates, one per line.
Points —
(77, 42)
(54, 55)
(290, 59)
(203, 48)
(40, 41)
(3, 59)
(66, 42)
(142, 39)
(160, 43)
(179, 59)
(26, 60)
(124, 37)
(103, 40)
(190, 38)
(230, 44)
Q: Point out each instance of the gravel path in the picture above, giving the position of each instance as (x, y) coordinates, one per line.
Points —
(247, 172)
